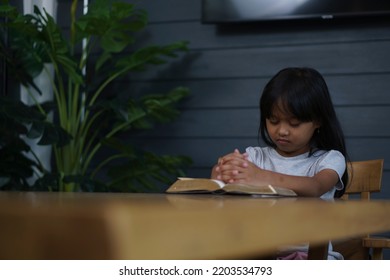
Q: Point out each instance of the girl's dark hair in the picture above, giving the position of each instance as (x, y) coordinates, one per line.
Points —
(303, 93)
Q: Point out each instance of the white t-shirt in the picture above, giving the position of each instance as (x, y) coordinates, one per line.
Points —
(302, 165)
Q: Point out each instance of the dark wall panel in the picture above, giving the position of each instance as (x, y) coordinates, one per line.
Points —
(203, 36)
(244, 122)
(346, 90)
(344, 58)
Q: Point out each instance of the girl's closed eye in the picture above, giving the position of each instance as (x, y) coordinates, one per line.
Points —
(273, 120)
(292, 122)
(295, 123)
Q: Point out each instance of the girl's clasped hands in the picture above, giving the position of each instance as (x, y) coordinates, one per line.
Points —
(235, 168)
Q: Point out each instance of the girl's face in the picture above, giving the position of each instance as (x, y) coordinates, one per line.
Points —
(291, 136)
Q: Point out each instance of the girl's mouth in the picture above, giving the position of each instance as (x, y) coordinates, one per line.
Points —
(282, 141)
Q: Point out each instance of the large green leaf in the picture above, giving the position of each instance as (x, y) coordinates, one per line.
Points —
(162, 107)
(56, 47)
(34, 123)
(18, 111)
(15, 166)
(143, 113)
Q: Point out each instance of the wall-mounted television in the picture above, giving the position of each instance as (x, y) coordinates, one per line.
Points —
(229, 11)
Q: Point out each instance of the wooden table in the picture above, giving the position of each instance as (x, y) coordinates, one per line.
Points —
(160, 226)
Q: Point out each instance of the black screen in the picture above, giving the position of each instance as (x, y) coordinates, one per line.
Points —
(215, 11)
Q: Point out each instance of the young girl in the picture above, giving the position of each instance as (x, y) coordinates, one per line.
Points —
(305, 143)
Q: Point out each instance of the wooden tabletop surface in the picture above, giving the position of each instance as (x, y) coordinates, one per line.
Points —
(169, 226)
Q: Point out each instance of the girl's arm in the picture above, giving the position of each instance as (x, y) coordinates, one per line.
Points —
(236, 168)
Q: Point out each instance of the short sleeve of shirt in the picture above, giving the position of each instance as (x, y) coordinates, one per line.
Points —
(333, 160)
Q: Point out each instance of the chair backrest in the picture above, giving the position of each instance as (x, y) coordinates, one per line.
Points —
(365, 177)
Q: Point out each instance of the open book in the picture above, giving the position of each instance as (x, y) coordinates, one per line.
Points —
(203, 185)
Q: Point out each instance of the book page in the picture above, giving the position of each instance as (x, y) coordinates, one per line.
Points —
(200, 185)
(220, 183)
(197, 180)
(248, 189)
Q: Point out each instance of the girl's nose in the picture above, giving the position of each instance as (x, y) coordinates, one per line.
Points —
(283, 130)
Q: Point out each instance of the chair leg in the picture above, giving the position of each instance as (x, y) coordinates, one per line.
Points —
(318, 252)
(377, 254)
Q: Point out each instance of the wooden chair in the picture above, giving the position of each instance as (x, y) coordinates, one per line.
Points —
(365, 177)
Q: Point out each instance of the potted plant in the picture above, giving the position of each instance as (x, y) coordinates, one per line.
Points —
(85, 120)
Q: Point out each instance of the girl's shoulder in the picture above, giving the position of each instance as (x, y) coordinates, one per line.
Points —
(330, 154)
(256, 154)
(258, 150)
